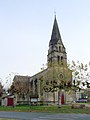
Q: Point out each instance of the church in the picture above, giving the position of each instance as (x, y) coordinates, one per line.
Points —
(51, 84)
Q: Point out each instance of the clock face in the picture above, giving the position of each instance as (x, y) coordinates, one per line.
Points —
(61, 76)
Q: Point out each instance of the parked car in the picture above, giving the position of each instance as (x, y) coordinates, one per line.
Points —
(81, 100)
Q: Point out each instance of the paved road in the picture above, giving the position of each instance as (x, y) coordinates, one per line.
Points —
(43, 116)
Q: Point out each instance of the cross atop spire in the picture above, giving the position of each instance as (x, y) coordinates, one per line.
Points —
(55, 14)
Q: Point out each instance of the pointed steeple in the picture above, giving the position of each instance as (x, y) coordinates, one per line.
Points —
(55, 33)
(57, 51)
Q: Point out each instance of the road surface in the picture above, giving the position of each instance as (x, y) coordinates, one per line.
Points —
(43, 116)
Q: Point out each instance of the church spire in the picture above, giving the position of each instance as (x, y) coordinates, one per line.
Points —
(55, 33)
(57, 52)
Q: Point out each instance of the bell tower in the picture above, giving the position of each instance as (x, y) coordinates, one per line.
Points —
(57, 52)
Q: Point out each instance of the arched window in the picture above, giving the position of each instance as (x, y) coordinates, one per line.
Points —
(35, 83)
(59, 49)
(62, 60)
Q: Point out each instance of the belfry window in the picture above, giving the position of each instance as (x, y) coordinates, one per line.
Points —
(62, 60)
(59, 49)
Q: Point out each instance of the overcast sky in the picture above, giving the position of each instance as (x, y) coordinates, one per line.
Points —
(25, 32)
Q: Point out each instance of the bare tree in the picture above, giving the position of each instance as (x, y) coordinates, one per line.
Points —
(20, 86)
(80, 73)
(1, 89)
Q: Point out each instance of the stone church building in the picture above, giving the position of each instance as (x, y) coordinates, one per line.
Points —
(51, 84)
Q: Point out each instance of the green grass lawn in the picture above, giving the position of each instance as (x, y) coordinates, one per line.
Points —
(6, 119)
(49, 109)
